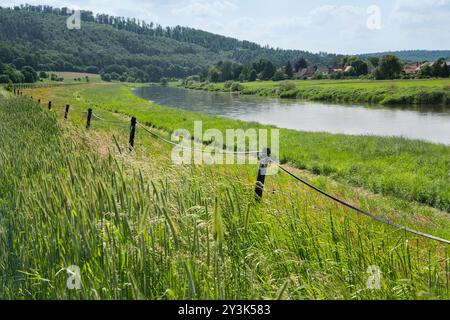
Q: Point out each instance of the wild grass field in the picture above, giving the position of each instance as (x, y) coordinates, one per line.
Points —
(407, 169)
(140, 227)
(433, 91)
(72, 77)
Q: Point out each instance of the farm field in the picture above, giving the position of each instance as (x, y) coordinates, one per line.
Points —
(434, 91)
(141, 227)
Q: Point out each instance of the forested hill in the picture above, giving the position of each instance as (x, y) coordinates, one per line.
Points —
(415, 55)
(37, 36)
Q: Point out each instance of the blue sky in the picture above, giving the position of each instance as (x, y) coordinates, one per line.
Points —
(338, 26)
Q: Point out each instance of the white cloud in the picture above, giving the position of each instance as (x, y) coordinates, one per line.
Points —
(204, 9)
(424, 13)
(329, 27)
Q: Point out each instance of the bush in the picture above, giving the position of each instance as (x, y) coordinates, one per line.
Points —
(286, 86)
(106, 77)
(9, 86)
(4, 78)
(228, 84)
(92, 69)
(164, 81)
(237, 86)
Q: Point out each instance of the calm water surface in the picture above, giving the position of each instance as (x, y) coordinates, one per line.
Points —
(425, 123)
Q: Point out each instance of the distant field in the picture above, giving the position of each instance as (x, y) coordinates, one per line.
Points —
(69, 77)
(435, 91)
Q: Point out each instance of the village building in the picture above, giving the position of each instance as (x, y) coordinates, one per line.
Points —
(310, 72)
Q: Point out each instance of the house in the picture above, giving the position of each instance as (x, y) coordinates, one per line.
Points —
(348, 68)
(309, 72)
(412, 69)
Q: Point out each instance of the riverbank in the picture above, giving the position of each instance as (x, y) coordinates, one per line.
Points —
(396, 92)
(407, 169)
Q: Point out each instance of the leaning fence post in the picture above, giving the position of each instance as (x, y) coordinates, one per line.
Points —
(132, 132)
(88, 119)
(66, 112)
(49, 105)
(264, 159)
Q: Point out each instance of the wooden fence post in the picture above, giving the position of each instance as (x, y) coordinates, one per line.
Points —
(88, 119)
(39, 100)
(49, 105)
(264, 159)
(132, 133)
(66, 112)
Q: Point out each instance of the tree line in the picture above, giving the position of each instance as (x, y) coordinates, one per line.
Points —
(378, 68)
(38, 34)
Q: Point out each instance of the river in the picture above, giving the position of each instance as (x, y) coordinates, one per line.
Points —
(429, 123)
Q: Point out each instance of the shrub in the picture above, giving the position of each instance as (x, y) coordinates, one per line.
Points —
(228, 84)
(286, 86)
(4, 78)
(237, 86)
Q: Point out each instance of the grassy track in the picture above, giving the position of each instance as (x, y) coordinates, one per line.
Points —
(407, 169)
(384, 92)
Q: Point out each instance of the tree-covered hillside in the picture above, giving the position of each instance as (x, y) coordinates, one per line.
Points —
(414, 55)
(37, 36)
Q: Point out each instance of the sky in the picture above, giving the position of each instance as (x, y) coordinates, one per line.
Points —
(339, 26)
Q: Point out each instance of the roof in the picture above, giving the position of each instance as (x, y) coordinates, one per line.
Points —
(348, 68)
(411, 69)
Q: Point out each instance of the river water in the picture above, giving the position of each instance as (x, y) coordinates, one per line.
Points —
(429, 123)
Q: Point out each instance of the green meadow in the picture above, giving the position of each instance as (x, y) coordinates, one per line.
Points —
(140, 227)
(395, 92)
(407, 169)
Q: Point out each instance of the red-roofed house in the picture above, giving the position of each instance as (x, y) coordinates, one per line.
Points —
(412, 69)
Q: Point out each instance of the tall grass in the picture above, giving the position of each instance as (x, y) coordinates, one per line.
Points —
(180, 232)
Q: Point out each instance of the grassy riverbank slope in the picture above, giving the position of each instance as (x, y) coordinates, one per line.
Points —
(384, 92)
(407, 169)
(140, 227)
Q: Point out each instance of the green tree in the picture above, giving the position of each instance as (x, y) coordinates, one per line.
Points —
(4, 78)
(441, 69)
(29, 74)
(214, 74)
(300, 64)
(359, 67)
(253, 75)
(106, 77)
(226, 70)
(390, 68)
(288, 70)
(269, 71)
(279, 75)
(374, 61)
(425, 72)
